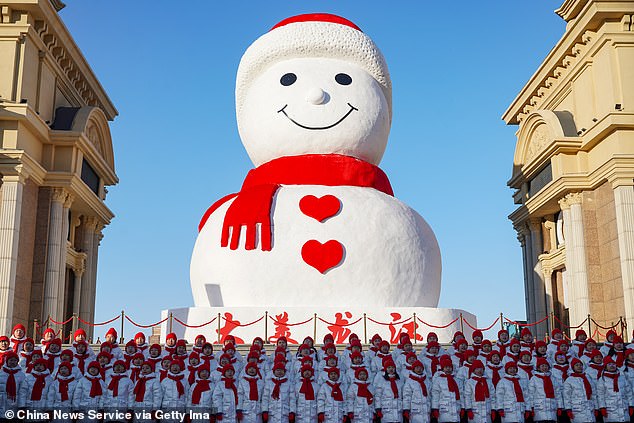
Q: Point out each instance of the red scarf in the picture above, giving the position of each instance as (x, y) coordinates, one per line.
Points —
(513, 356)
(192, 374)
(598, 368)
(276, 390)
(364, 392)
(586, 383)
(38, 386)
(564, 370)
(139, 388)
(580, 347)
(253, 388)
(179, 384)
(202, 385)
(230, 383)
(502, 347)
(11, 387)
(27, 356)
(481, 389)
(307, 389)
(252, 205)
(619, 358)
(207, 359)
(16, 343)
(421, 382)
(134, 373)
(528, 368)
(336, 393)
(476, 348)
(114, 384)
(435, 363)
(528, 345)
(495, 370)
(460, 357)
(394, 386)
(519, 395)
(549, 389)
(162, 374)
(63, 387)
(452, 385)
(95, 385)
(615, 379)
(81, 361)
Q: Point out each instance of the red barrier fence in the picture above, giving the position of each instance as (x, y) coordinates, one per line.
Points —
(550, 321)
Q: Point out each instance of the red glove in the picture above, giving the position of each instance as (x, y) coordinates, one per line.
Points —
(527, 415)
(351, 415)
(604, 412)
(321, 417)
(379, 413)
(559, 412)
(212, 418)
(570, 414)
(239, 415)
(470, 415)
(462, 412)
(406, 414)
(291, 418)
(219, 417)
(501, 413)
(631, 410)
(265, 416)
(494, 414)
(596, 413)
(435, 413)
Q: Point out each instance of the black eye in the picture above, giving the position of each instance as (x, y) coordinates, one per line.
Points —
(288, 79)
(343, 79)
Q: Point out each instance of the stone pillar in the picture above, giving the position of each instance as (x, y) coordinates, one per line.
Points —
(539, 291)
(548, 285)
(624, 204)
(77, 290)
(98, 236)
(523, 236)
(10, 214)
(88, 238)
(576, 268)
(61, 293)
(53, 254)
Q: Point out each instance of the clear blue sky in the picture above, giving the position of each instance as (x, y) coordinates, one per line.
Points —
(170, 71)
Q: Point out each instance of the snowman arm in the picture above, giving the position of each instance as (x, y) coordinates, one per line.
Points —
(213, 208)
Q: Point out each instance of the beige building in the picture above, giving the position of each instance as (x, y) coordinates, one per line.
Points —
(56, 160)
(573, 170)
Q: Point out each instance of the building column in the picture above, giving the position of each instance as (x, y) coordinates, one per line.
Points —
(61, 293)
(10, 214)
(539, 291)
(97, 237)
(548, 297)
(53, 254)
(576, 268)
(523, 236)
(624, 204)
(88, 237)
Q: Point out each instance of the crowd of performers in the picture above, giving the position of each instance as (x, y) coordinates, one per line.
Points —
(478, 381)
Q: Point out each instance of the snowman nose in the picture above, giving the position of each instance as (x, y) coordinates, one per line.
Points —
(316, 96)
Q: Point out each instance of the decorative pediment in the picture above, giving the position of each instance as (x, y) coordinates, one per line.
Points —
(92, 122)
(540, 130)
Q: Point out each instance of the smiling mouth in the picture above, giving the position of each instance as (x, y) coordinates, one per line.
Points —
(352, 109)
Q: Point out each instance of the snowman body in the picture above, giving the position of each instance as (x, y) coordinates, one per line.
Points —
(315, 86)
(390, 255)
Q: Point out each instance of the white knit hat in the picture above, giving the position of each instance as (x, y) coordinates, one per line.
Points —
(313, 35)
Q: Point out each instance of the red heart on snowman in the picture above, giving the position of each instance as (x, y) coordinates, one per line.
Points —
(320, 208)
(322, 257)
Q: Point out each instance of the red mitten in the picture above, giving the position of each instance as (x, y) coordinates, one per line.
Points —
(435, 413)
(570, 414)
(559, 412)
(470, 415)
(239, 415)
(631, 410)
(501, 413)
(406, 414)
(219, 417)
(321, 417)
(379, 413)
(291, 418)
(265, 416)
(462, 413)
(351, 416)
(493, 414)
(604, 412)
(527, 415)
(596, 413)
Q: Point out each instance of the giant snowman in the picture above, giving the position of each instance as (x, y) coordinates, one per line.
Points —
(316, 222)
(315, 230)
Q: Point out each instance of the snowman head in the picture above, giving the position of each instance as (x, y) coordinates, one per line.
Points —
(314, 84)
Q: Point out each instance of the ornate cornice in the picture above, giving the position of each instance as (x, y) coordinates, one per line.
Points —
(570, 9)
(570, 199)
(57, 5)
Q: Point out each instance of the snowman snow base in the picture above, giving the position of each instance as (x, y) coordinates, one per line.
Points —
(296, 323)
